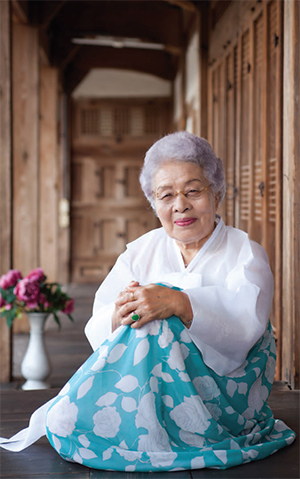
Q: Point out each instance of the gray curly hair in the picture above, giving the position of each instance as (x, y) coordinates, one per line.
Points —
(186, 147)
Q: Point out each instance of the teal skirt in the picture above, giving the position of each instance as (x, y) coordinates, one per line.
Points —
(146, 401)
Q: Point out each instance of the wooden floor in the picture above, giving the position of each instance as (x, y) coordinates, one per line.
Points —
(68, 348)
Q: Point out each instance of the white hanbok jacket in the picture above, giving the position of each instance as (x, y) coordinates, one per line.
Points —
(229, 284)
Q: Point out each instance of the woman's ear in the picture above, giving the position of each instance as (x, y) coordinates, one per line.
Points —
(217, 201)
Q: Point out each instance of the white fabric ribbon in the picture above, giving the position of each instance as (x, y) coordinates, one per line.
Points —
(35, 430)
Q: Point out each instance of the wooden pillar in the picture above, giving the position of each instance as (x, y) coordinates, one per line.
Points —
(291, 194)
(203, 28)
(64, 189)
(182, 68)
(25, 101)
(5, 176)
(48, 199)
(297, 197)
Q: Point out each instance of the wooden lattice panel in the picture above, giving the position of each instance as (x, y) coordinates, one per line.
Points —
(151, 116)
(272, 190)
(138, 121)
(230, 193)
(273, 39)
(258, 198)
(255, 42)
(246, 55)
(122, 121)
(89, 124)
(113, 121)
(258, 129)
(106, 121)
(245, 192)
(246, 68)
(272, 79)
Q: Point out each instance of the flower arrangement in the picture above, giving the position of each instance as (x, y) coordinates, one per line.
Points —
(32, 294)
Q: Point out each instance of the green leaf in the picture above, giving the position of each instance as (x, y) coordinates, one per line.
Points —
(57, 319)
(10, 316)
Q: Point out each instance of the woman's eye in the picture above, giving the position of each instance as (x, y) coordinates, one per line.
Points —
(192, 192)
(166, 196)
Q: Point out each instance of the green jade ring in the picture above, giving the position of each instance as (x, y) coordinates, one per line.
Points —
(135, 317)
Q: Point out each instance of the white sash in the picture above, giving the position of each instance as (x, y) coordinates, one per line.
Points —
(35, 430)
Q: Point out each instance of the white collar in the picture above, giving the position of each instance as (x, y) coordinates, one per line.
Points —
(212, 241)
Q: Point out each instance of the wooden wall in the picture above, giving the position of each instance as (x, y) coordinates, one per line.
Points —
(48, 172)
(5, 177)
(25, 108)
(254, 127)
(291, 194)
(35, 158)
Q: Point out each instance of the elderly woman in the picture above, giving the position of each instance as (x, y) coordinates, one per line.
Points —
(184, 354)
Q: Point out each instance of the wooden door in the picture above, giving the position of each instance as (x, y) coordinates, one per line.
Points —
(108, 207)
(245, 125)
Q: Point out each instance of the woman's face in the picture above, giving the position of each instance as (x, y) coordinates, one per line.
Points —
(188, 219)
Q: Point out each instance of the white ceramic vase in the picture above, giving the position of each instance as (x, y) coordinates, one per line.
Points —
(36, 366)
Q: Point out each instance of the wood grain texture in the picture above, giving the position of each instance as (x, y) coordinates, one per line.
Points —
(25, 101)
(246, 130)
(297, 200)
(48, 173)
(40, 460)
(291, 216)
(5, 177)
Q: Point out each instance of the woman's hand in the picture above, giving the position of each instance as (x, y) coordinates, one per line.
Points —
(125, 297)
(150, 302)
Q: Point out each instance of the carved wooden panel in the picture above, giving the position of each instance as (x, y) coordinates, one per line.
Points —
(258, 127)
(118, 120)
(229, 151)
(244, 180)
(251, 125)
(108, 208)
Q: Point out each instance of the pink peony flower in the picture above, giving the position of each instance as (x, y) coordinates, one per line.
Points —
(2, 302)
(69, 306)
(28, 291)
(37, 275)
(43, 300)
(8, 307)
(10, 279)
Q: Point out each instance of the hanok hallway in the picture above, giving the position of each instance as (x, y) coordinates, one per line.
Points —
(86, 88)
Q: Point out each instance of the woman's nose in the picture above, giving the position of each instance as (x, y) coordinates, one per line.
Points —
(181, 203)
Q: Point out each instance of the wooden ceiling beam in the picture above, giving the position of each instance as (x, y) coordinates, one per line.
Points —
(156, 63)
(156, 22)
(20, 10)
(49, 12)
(159, 21)
(184, 4)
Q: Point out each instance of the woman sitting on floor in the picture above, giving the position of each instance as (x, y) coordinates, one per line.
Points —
(184, 353)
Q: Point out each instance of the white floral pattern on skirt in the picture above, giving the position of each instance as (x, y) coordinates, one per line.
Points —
(146, 401)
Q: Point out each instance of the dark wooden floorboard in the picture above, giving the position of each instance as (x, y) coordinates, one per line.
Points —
(68, 349)
(139, 475)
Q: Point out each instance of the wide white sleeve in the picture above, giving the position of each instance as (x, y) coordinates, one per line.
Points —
(230, 318)
(99, 325)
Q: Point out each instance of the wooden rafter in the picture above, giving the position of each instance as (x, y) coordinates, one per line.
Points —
(157, 63)
(20, 10)
(154, 22)
(184, 4)
(49, 14)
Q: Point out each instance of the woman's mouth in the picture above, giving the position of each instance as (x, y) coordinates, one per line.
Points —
(185, 221)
